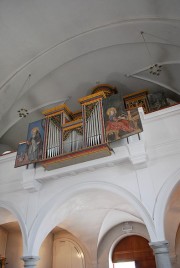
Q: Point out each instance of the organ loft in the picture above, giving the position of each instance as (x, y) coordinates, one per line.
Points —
(65, 138)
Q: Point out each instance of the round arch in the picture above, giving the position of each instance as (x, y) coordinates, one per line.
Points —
(112, 238)
(161, 203)
(134, 248)
(42, 225)
(19, 217)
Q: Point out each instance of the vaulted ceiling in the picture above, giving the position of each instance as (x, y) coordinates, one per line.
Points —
(69, 46)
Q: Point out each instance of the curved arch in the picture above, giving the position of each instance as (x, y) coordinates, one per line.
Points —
(42, 225)
(162, 201)
(126, 216)
(22, 225)
(137, 248)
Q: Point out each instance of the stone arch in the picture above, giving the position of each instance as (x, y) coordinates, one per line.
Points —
(8, 206)
(162, 202)
(42, 225)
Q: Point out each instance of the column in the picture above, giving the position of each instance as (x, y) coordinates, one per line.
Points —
(30, 261)
(161, 253)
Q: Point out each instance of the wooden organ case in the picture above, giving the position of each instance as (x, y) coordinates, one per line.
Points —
(72, 138)
(137, 99)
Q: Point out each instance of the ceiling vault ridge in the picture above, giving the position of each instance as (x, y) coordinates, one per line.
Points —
(147, 67)
(154, 82)
(115, 23)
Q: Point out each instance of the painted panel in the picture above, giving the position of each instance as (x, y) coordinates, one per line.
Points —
(22, 155)
(35, 140)
(120, 123)
(31, 151)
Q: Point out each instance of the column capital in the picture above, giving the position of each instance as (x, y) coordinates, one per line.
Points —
(160, 247)
(30, 261)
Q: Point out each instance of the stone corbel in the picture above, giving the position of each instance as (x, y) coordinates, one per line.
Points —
(29, 182)
(137, 154)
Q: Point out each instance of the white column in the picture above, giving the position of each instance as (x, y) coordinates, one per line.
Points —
(30, 261)
(161, 253)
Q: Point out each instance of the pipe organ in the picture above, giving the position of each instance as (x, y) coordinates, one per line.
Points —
(71, 138)
(65, 138)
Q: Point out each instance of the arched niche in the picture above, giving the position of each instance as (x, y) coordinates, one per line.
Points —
(134, 248)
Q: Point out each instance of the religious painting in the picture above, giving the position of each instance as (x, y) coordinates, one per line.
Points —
(22, 156)
(35, 139)
(157, 101)
(120, 123)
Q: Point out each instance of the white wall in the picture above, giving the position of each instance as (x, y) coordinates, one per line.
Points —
(177, 249)
(45, 252)
(14, 250)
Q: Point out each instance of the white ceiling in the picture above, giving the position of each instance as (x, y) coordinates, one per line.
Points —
(67, 46)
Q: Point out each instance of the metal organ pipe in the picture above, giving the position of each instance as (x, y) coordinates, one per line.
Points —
(94, 127)
(49, 141)
(96, 124)
(53, 140)
(92, 131)
(99, 122)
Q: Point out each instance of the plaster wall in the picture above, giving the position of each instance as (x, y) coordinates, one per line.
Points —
(3, 241)
(14, 249)
(176, 263)
(46, 252)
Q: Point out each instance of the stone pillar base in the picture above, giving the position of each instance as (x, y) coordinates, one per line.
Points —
(161, 252)
(30, 261)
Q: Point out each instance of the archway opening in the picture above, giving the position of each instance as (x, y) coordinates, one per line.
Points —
(11, 242)
(133, 252)
(61, 249)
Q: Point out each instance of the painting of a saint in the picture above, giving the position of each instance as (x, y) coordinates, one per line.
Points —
(35, 141)
(22, 155)
(119, 123)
